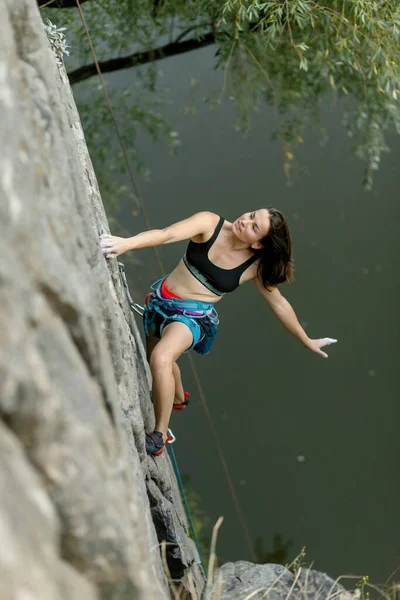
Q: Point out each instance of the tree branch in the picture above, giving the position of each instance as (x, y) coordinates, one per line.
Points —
(59, 3)
(141, 58)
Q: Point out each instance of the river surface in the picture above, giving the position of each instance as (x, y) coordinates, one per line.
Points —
(312, 445)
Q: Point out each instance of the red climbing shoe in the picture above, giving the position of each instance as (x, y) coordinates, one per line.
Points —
(177, 406)
(184, 404)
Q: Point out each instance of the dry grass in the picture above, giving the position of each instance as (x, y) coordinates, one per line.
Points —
(362, 588)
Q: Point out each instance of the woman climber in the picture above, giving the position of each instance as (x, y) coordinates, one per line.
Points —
(180, 313)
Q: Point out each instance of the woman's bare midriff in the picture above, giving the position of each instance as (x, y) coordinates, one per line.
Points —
(184, 284)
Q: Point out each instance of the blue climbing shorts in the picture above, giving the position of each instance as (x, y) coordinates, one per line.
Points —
(200, 317)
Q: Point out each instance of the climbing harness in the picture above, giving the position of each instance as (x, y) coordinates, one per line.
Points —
(200, 317)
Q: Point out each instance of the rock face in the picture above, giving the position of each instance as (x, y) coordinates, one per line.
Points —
(240, 580)
(78, 493)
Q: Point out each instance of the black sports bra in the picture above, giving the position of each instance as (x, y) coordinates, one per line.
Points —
(217, 280)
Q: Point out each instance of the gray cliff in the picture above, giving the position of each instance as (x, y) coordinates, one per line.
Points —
(78, 492)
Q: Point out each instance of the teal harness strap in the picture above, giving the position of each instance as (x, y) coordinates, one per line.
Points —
(150, 311)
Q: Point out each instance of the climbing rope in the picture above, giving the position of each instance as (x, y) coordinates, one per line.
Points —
(136, 307)
(184, 497)
(47, 4)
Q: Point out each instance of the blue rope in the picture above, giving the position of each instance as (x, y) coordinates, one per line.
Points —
(182, 489)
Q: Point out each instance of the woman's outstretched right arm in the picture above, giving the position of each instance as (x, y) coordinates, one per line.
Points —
(197, 224)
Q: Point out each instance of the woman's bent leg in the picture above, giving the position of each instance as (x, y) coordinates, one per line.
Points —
(151, 343)
(179, 391)
(175, 339)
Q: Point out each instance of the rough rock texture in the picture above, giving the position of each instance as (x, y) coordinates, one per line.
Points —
(78, 492)
(239, 580)
(29, 547)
